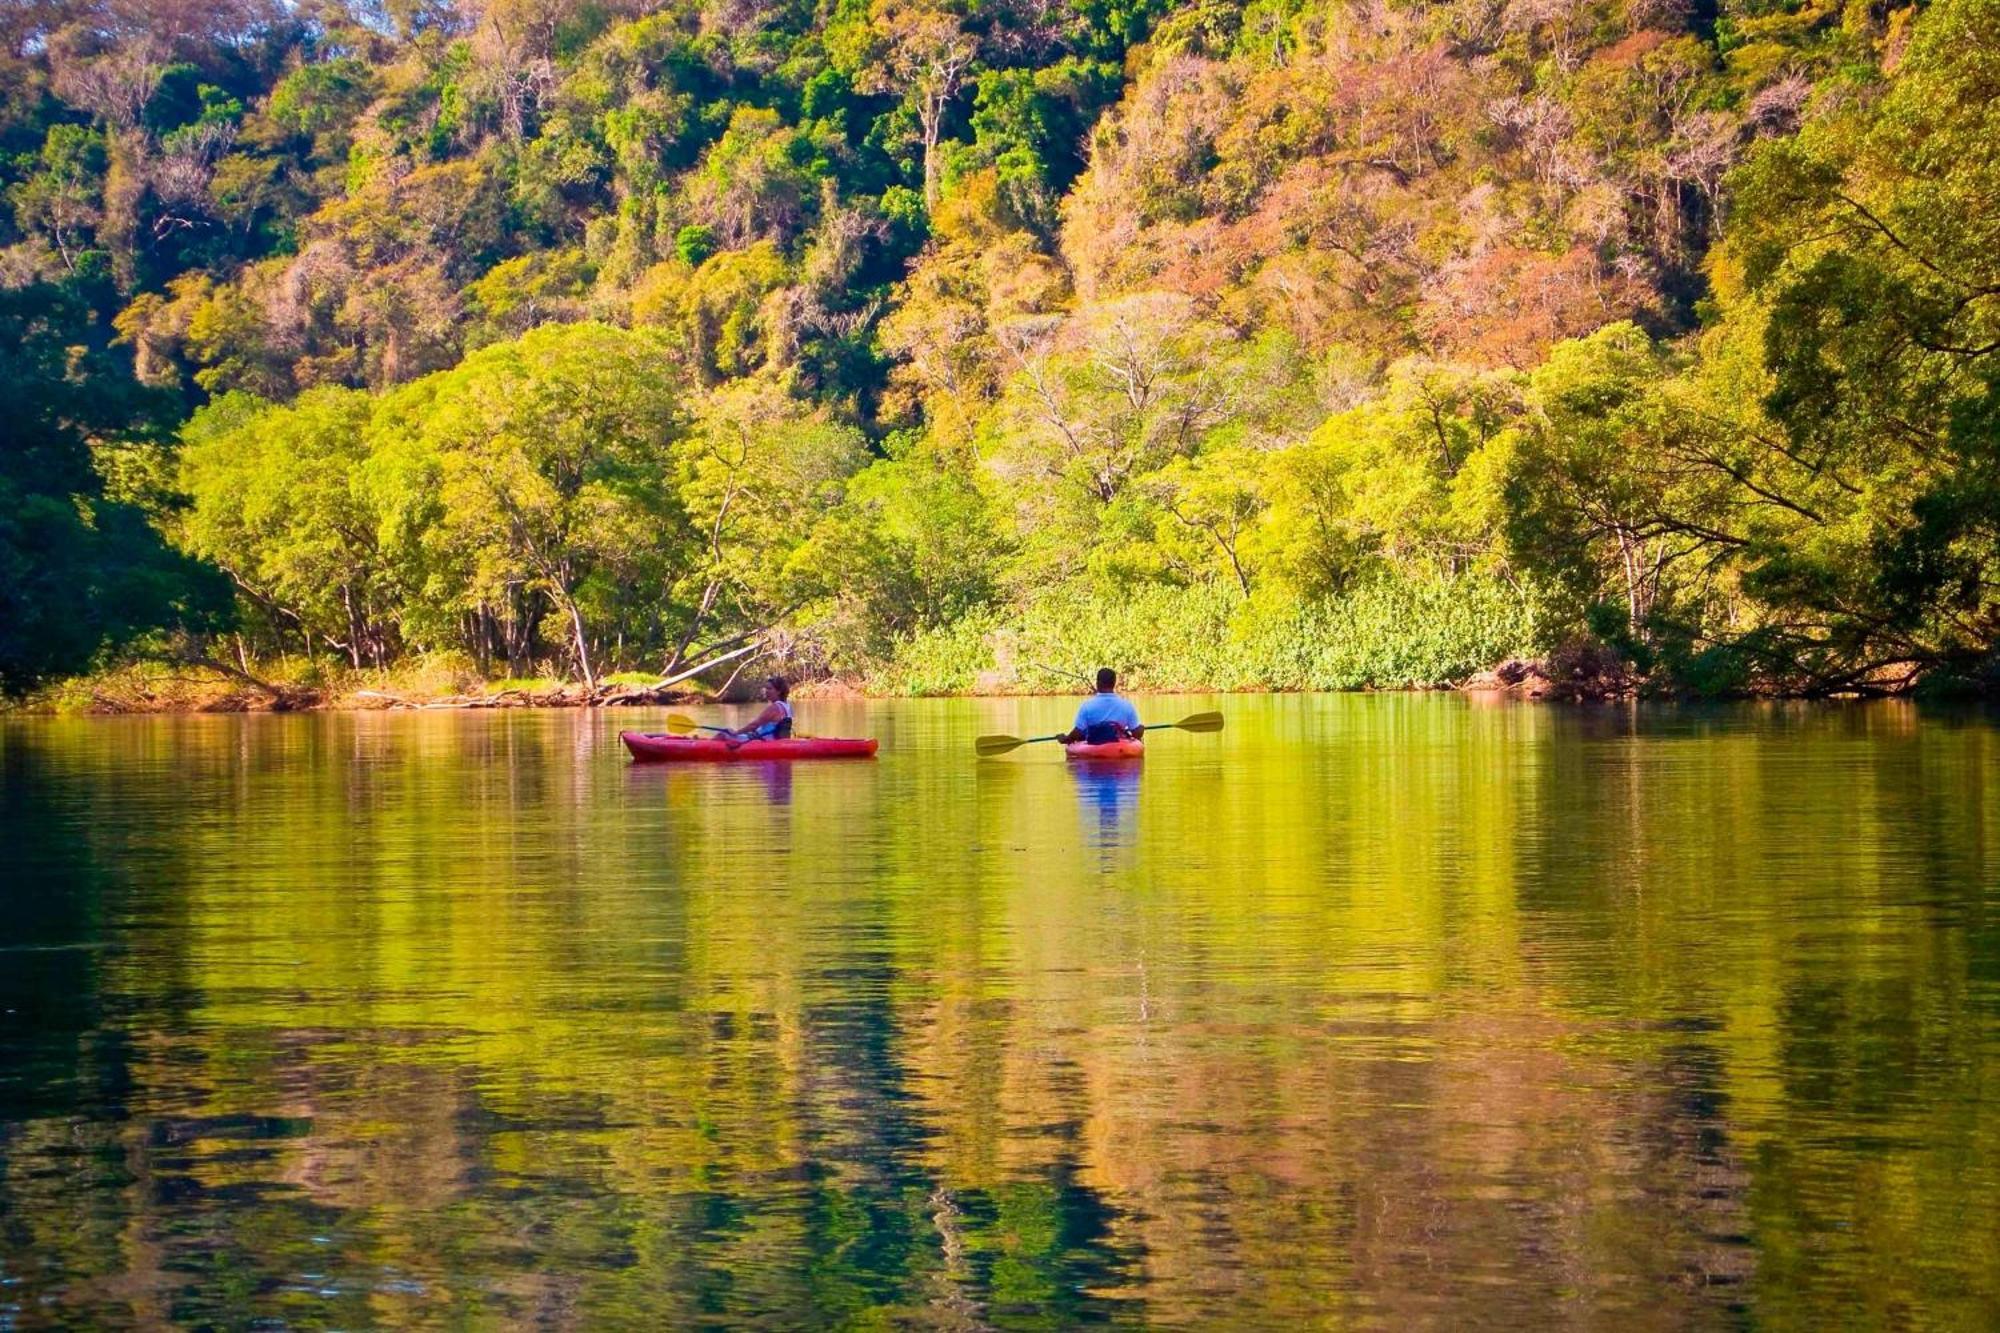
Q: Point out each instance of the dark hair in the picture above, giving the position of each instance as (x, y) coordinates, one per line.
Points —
(1107, 679)
(783, 688)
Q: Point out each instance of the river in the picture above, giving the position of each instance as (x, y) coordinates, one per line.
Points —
(1379, 1011)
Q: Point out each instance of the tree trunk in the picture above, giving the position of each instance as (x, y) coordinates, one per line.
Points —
(353, 626)
(694, 624)
(517, 634)
(932, 104)
(582, 640)
(1626, 555)
(932, 169)
(1242, 579)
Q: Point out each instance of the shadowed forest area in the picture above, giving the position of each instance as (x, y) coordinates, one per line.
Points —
(946, 345)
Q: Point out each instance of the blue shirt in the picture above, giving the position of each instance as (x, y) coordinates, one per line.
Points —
(1106, 708)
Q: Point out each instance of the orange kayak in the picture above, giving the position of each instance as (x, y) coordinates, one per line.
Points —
(648, 747)
(1108, 750)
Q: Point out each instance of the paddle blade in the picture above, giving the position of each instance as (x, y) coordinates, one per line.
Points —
(1200, 722)
(988, 746)
(682, 726)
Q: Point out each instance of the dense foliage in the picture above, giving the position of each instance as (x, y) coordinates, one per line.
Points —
(80, 567)
(1249, 343)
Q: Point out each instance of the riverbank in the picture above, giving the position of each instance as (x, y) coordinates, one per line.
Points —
(292, 686)
(1162, 639)
(153, 688)
(1002, 662)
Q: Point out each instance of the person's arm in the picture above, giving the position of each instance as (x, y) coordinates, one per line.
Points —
(769, 718)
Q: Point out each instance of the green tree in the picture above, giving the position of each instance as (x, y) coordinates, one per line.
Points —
(913, 546)
(1871, 248)
(758, 471)
(921, 51)
(761, 179)
(1402, 483)
(275, 501)
(80, 573)
(1592, 502)
(63, 198)
(321, 101)
(554, 458)
(1098, 403)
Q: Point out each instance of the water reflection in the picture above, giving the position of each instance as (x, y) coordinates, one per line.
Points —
(776, 779)
(1402, 1012)
(1107, 796)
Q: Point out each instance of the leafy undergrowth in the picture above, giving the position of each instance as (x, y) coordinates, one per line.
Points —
(1379, 636)
(276, 684)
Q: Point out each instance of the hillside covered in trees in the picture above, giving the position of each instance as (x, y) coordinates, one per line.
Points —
(942, 343)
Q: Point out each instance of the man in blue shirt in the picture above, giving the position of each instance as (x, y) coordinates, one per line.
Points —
(1106, 715)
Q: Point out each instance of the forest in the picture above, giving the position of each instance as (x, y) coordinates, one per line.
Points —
(954, 345)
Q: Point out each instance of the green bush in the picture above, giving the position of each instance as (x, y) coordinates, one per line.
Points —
(952, 659)
(694, 243)
(1384, 635)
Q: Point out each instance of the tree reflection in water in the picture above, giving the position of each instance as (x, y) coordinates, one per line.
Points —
(1401, 1012)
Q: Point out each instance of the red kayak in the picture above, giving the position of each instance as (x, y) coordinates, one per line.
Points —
(652, 748)
(1108, 750)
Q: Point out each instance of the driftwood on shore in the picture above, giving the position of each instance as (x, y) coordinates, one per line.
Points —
(663, 691)
(558, 696)
(209, 684)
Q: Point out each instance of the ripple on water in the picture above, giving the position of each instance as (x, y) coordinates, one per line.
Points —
(1388, 1010)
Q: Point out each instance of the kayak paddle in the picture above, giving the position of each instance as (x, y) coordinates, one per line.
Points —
(681, 725)
(1192, 722)
(987, 746)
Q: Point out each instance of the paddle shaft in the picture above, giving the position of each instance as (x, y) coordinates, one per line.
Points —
(678, 722)
(994, 746)
(999, 745)
(1144, 727)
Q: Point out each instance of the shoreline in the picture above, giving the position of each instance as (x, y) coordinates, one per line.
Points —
(312, 699)
(154, 688)
(85, 699)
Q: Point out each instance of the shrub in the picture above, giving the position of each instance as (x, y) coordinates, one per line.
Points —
(1380, 635)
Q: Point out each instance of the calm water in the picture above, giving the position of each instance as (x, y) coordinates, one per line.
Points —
(1372, 1011)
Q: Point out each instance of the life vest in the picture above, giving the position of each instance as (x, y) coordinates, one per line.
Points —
(781, 729)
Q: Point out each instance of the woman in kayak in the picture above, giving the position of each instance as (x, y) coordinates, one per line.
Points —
(1105, 716)
(775, 722)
